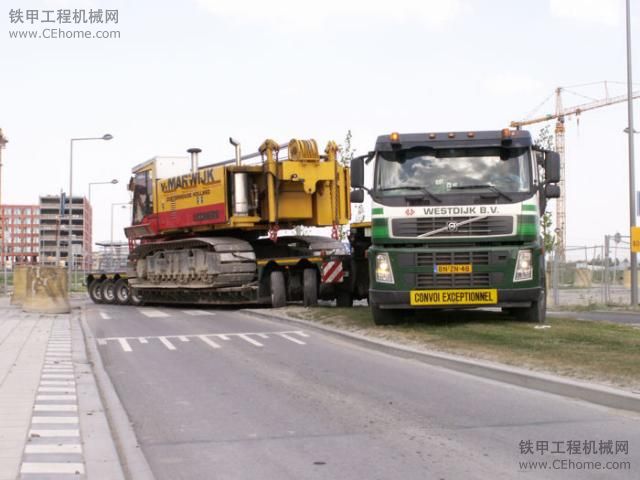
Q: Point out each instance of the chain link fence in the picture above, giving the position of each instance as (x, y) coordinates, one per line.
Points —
(591, 275)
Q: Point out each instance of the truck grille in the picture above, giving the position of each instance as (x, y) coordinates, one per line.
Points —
(451, 258)
(473, 280)
(412, 227)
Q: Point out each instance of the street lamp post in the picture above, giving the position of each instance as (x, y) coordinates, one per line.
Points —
(632, 173)
(3, 142)
(106, 136)
(90, 253)
(123, 205)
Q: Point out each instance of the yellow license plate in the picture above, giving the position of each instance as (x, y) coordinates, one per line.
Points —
(463, 268)
(484, 296)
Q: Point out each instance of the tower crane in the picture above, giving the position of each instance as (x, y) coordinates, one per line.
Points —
(561, 113)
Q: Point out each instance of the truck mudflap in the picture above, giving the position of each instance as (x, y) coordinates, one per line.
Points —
(516, 297)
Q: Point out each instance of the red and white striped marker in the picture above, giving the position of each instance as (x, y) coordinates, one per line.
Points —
(332, 271)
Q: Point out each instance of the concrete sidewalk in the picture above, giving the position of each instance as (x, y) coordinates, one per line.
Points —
(51, 416)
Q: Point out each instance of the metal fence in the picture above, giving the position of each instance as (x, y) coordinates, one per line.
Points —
(591, 275)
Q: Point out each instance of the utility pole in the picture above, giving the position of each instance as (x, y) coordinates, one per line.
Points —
(632, 172)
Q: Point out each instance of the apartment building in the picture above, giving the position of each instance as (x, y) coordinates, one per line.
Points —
(20, 231)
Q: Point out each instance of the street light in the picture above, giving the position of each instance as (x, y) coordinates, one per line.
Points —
(106, 136)
(110, 182)
(124, 205)
(3, 142)
(632, 173)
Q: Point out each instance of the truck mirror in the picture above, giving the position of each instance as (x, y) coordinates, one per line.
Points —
(357, 172)
(552, 167)
(357, 196)
(551, 191)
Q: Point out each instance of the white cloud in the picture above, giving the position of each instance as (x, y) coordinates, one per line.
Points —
(607, 12)
(296, 14)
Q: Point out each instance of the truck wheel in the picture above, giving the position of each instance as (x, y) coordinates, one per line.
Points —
(278, 291)
(135, 298)
(108, 292)
(384, 317)
(344, 299)
(95, 291)
(122, 292)
(537, 312)
(309, 287)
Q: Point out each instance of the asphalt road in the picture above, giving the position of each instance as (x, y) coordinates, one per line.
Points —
(216, 394)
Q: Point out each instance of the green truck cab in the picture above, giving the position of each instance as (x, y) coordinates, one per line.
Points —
(455, 222)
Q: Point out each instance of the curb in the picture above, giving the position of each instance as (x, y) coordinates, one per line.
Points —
(132, 460)
(597, 394)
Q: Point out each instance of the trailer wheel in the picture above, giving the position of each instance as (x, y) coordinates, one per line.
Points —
(122, 292)
(108, 292)
(95, 291)
(344, 299)
(309, 287)
(384, 317)
(135, 298)
(278, 290)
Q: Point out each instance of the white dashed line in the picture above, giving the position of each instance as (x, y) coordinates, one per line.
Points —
(51, 468)
(208, 341)
(54, 448)
(152, 313)
(167, 343)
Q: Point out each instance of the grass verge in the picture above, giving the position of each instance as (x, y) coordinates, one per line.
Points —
(595, 351)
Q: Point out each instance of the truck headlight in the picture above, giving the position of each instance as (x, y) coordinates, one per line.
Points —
(384, 274)
(524, 267)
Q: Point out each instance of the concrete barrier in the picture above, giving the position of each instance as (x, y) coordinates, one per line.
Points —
(19, 285)
(47, 290)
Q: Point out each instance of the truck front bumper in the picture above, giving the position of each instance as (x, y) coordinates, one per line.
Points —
(516, 297)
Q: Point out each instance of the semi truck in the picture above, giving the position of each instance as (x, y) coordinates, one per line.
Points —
(209, 234)
(455, 222)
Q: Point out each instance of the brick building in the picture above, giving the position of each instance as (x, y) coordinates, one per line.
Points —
(20, 231)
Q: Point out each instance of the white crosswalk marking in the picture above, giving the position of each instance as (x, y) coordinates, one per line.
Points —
(182, 338)
(250, 340)
(54, 448)
(291, 339)
(209, 342)
(143, 340)
(105, 316)
(152, 313)
(166, 343)
(124, 344)
(197, 313)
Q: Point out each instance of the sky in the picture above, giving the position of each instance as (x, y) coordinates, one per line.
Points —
(192, 73)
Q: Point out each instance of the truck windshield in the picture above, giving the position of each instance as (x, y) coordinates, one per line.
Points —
(454, 170)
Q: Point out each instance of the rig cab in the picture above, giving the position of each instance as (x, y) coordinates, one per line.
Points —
(455, 221)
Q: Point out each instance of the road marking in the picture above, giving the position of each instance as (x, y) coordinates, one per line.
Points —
(54, 448)
(152, 313)
(57, 369)
(50, 468)
(208, 341)
(43, 407)
(56, 397)
(105, 316)
(56, 375)
(250, 340)
(58, 382)
(262, 335)
(197, 313)
(124, 344)
(223, 337)
(182, 338)
(57, 355)
(291, 339)
(57, 389)
(55, 420)
(37, 432)
(143, 340)
(302, 334)
(167, 343)
(102, 341)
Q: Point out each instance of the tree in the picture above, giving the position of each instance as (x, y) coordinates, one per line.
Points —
(545, 141)
(346, 155)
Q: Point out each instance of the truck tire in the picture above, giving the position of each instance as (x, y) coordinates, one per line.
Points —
(95, 291)
(278, 290)
(309, 287)
(135, 298)
(536, 313)
(384, 317)
(122, 292)
(344, 299)
(108, 292)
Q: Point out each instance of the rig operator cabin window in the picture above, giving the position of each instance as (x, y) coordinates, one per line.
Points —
(142, 205)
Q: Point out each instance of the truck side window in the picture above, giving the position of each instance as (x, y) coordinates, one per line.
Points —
(142, 203)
